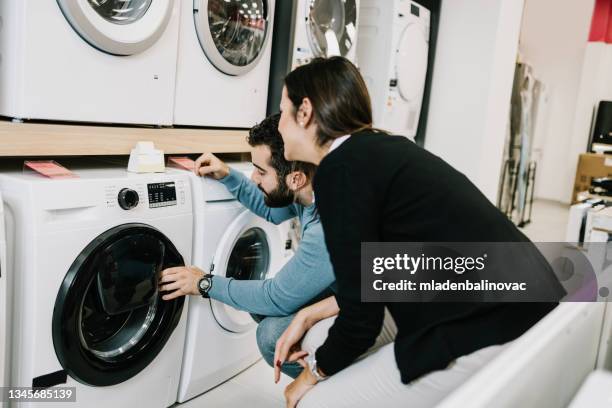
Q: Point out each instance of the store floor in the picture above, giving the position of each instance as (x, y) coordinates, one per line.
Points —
(255, 385)
(548, 221)
(254, 388)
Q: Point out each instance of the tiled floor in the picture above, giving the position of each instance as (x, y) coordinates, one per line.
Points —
(255, 387)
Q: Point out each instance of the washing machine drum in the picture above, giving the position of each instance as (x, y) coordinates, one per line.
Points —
(109, 320)
(118, 27)
(233, 34)
(331, 26)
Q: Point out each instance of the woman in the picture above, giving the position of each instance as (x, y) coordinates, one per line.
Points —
(373, 187)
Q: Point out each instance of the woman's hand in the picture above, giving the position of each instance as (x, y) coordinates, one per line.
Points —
(299, 387)
(180, 281)
(210, 165)
(288, 344)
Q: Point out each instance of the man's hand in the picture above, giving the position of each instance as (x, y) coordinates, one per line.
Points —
(180, 281)
(210, 165)
(300, 386)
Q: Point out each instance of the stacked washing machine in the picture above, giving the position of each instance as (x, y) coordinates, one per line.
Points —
(110, 61)
(393, 50)
(86, 257)
(231, 241)
(318, 28)
(223, 62)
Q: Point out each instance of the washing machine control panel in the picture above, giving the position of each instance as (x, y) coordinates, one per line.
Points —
(142, 196)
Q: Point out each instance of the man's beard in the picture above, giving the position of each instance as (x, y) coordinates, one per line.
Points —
(279, 197)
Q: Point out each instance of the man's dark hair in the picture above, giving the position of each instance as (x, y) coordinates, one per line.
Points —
(266, 133)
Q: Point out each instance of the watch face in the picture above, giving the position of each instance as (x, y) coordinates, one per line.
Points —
(204, 284)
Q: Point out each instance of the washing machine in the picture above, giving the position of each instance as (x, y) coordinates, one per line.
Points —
(229, 240)
(4, 316)
(324, 28)
(317, 28)
(88, 253)
(223, 62)
(111, 61)
(392, 50)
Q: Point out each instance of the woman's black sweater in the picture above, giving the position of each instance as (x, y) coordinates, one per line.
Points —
(382, 188)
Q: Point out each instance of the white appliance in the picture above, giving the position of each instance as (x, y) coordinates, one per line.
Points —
(392, 52)
(4, 304)
(223, 62)
(595, 392)
(87, 256)
(229, 240)
(110, 61)
(324, 28)
(542, 368)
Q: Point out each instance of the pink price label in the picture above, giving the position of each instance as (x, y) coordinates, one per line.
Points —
(182, 162)
(50, 169)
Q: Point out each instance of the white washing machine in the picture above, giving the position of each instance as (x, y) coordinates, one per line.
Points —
(88, 253)
(392, 51)
(111, 61)
(4, 316)
(229, 240)
(223, 62)
(324, 28)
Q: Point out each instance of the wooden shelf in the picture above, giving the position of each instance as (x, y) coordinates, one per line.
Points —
(42, 139)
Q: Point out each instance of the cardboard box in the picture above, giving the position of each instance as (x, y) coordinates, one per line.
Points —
(590, 166)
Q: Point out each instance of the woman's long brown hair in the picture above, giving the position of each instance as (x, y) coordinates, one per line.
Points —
(338, 94)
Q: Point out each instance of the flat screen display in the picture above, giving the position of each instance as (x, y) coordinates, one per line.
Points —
(161, 194)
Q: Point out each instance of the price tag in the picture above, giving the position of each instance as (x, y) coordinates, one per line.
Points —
(50, 169)
(184, 163)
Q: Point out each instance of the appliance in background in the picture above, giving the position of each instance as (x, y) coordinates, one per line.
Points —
(92, 61)
(393, 52)
(317, 28)
(231, 241)
(223, 62)
(87, 257)
(577, 220)
(517, 185)
(4, 308)
(601, 137)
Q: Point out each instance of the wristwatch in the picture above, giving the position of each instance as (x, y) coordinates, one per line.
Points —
(205, 284)
(313, 368)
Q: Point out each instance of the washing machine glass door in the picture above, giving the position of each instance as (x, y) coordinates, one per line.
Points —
(118, 27)
(331, 26)
(233, 34)
(245, 253)
(109, 321)
(411, 62)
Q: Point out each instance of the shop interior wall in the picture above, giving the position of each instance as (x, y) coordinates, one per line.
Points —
(471, 86)
(553, 41)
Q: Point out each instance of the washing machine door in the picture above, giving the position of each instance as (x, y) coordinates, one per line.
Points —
(118, 27)
(109, 321)
(411, 62)
(233, 34)
(245, 252)
(331, 26)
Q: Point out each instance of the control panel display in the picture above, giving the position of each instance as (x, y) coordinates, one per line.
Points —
(161, 194)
